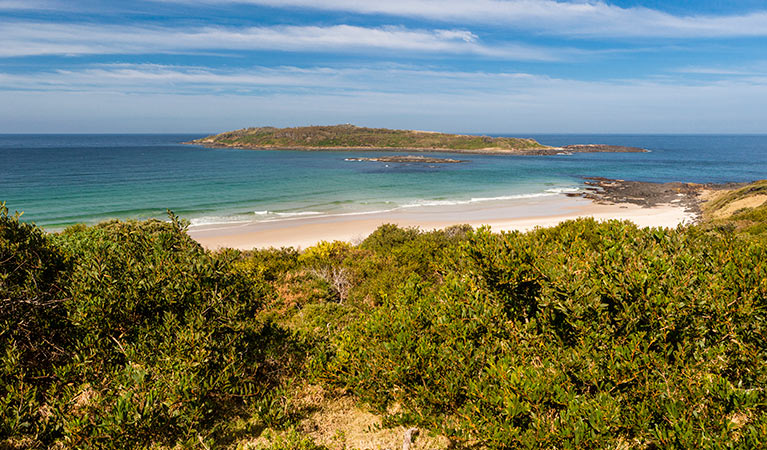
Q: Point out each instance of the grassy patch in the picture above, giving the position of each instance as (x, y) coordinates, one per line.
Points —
(743, 210)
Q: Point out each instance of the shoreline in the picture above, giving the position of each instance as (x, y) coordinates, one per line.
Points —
(501, 215)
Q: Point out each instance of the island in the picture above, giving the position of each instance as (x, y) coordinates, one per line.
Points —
(350, 137)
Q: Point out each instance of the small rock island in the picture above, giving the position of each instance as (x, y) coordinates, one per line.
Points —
(350, 137)
(409, 159)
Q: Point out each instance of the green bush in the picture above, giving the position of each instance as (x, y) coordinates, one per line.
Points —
(33, 272)
(292, 440)
(585, 335)
(270, 264)
(165, 343)
(398, 253)
(34, 333)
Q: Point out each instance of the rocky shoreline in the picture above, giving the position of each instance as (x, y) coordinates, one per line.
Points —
(690, 196)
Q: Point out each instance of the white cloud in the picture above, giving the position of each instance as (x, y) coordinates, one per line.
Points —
(751, 69)
(24, 39)
(579, 18)
(24, 5)
(713, 71)
(155, 79)
(169, 98)
(559, 106)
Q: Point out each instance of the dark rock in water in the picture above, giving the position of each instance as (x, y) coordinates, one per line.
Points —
(597, 148)
(409, 159)
(581, 148)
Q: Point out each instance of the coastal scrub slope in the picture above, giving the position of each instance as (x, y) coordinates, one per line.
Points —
(743, 209)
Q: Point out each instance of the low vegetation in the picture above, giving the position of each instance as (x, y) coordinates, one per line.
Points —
(584, 335)
(350, 136)
(743, 209)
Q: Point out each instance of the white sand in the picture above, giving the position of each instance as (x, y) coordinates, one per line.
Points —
(505, 215)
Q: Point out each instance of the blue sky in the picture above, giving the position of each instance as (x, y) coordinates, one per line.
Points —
(476, 66)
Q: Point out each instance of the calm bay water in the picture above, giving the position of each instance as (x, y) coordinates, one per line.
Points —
(58, 180)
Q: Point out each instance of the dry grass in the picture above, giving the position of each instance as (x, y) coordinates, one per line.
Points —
(336, 421)
(741, 204)
(724, 203)
(744, 209)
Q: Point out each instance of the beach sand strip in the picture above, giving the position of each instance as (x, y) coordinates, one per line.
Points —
(506, 215)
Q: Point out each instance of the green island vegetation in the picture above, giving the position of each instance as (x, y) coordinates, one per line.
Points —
(586, 335)
(350, 136)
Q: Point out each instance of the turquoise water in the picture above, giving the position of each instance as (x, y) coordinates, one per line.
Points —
(58, 180)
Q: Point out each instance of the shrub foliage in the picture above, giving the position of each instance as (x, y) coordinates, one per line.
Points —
(158, 341)
(585, 335)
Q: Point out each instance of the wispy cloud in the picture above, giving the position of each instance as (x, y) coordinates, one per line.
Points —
(25, 5)
(714, 71)
(25, 39)
(183, 80)
(381, 78)
(574, 18)
(751, 69)
(169, 98)
(152, 78)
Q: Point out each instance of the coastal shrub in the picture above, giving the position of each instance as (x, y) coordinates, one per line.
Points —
(33, 273)
(323, 320)
(398, 253)
(167, 344)
(34, 333)
(270, 264)
(291, 440)
(332, 262)
(585, 335)
(179, 328)
(387, 237)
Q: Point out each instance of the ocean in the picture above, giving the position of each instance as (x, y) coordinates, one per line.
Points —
(60, 180)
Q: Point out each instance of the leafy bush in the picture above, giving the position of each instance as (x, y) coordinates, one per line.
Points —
(292, 440)
(398, 253)
(331, 262)
(33, 328)
(32, 273)
(270, 264)
(585, 335)
(165, 345)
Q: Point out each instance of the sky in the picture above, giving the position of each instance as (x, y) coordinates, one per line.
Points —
(464, 66)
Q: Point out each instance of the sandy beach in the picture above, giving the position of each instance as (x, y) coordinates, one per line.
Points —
(520, 214)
